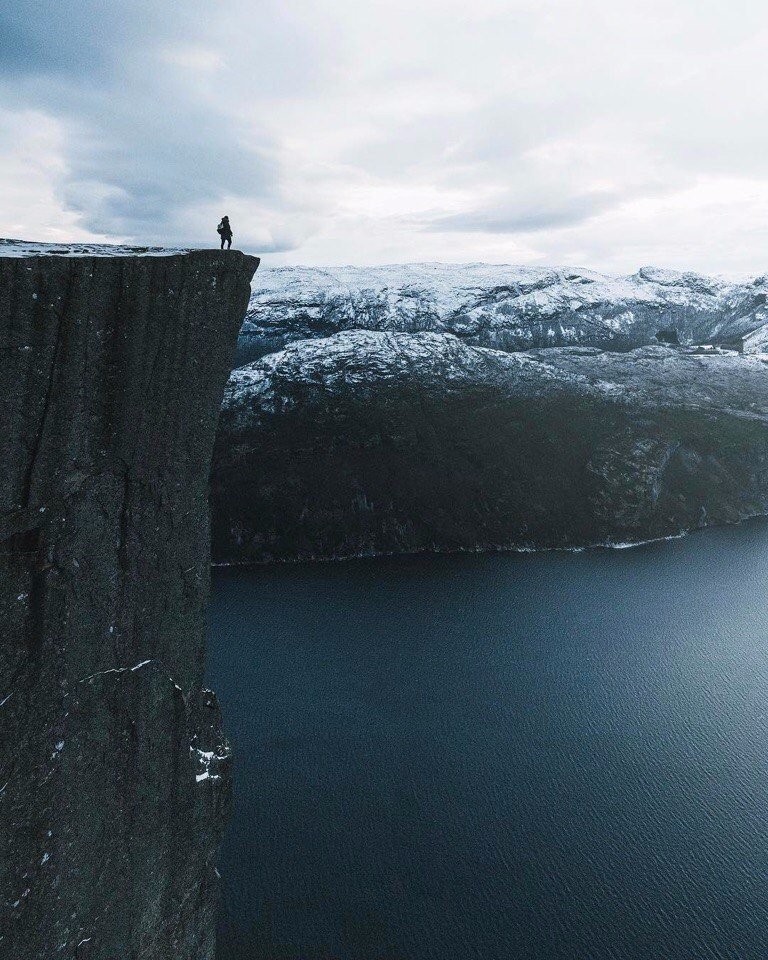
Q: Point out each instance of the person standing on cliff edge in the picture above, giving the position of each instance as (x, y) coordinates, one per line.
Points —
(225, 232)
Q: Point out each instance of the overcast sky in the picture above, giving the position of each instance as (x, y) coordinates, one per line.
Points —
(600, 133)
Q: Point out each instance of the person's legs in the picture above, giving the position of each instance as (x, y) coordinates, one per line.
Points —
(229, 243)
(222, 243)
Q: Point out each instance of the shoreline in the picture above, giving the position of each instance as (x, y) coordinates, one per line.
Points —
(472, 551)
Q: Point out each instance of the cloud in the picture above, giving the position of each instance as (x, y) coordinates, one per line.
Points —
(330, 130)
(29, 175)
(143, 135)
(526, 217)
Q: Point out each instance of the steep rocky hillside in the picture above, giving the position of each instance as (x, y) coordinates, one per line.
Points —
(366, 443)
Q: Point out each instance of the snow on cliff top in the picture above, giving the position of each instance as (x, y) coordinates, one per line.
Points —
(353, 358)
(28, 248)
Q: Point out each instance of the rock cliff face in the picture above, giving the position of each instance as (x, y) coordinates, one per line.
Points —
(367, 443)
(503, 307)
(115, 774)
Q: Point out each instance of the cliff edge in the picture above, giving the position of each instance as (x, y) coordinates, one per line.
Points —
(115, 773)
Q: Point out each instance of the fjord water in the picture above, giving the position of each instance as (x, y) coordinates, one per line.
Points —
(509, 756)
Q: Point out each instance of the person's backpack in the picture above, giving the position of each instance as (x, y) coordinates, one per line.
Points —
(220, 229)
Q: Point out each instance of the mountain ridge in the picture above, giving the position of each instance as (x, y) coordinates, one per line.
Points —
(501, 306)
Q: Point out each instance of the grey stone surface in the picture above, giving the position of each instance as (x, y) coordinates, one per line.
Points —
(115, 774)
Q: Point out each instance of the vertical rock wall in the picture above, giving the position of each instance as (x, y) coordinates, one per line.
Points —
(114, 775)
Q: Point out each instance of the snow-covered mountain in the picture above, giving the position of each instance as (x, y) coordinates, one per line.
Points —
(505, 307)
(463, 407)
